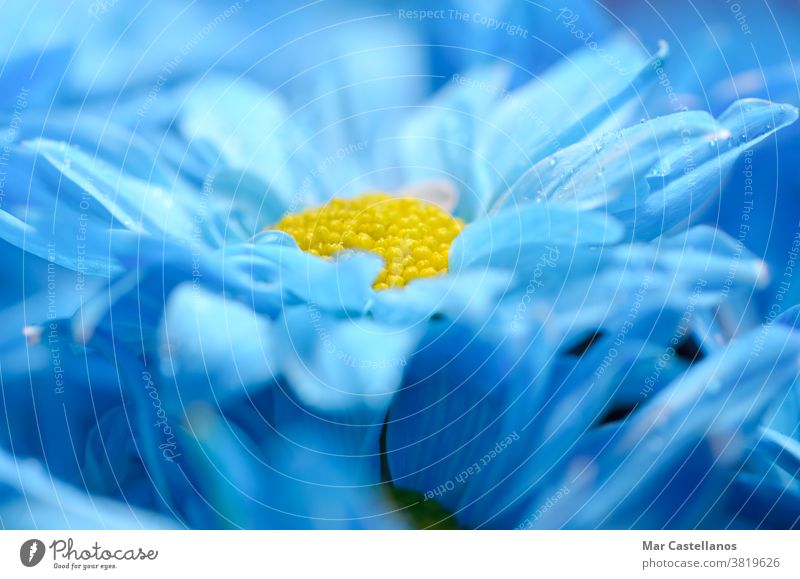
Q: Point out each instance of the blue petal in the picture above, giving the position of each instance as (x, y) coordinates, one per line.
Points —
(507, 238)
(128, 202)
(473, 293)
(670, 458)
(213, 349)
(584, 95)
(759, 503)
(32, 219)
(31, 499)
(465, 395)
(282, 485)
(436, 141)
(654, 175)
(52, 395)
(342, 284)
(341, 376)
(344, 367)
(745, 124)
(251, 140)
(780, 451)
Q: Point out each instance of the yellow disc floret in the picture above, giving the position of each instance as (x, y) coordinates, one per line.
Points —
(412, 235)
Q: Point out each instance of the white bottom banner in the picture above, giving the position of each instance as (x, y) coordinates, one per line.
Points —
(419, 554)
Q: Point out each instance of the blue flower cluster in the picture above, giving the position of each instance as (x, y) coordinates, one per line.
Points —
(614, 344)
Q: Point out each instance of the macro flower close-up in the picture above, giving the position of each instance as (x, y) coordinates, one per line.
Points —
(422, 265)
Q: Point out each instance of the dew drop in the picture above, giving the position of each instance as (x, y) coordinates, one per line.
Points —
(661, 170)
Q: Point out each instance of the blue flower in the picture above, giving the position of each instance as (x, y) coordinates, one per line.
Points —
(582, 363)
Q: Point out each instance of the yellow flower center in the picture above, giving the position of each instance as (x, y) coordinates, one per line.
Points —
(413, 236)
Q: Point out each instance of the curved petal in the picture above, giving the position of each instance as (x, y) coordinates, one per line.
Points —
(506, 239)
(670, 458)
(31, 499)
(585, 95)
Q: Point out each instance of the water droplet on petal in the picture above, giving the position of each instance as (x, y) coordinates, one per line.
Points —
(662, 169)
